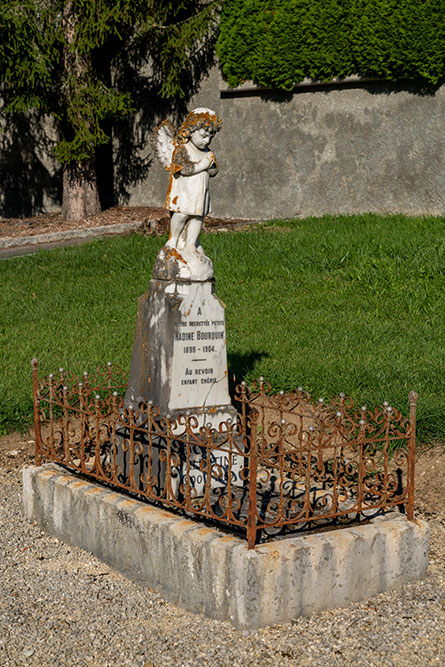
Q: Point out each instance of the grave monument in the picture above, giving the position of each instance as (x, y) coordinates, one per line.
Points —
(179, 360)
(284, 477)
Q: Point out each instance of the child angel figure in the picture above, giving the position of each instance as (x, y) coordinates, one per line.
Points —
(186, 155)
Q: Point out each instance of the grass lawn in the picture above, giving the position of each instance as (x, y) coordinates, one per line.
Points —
(346, 303)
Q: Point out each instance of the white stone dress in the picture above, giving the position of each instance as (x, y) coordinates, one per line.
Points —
(188, 194)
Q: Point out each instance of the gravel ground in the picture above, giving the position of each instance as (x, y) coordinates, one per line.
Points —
(61, 606)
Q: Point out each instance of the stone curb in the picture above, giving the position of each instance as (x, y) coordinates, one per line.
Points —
(204, 570)
(59, 238)
(14, 246)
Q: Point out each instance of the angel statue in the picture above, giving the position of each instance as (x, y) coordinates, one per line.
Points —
(186, 155)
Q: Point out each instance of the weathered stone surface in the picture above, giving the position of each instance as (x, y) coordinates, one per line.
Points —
(358, 148)
(207, 571)
(179, 363)
(69, 235)
(342, 148)
(185, 154)
(182, 265)
(179, 357)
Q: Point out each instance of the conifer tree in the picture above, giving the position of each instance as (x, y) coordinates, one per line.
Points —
(75, 60)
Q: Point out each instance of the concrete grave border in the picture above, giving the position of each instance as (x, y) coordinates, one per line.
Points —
(204, 570)
(15, 246)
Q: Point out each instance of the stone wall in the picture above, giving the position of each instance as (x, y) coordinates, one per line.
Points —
(350, 147)
(346, 148)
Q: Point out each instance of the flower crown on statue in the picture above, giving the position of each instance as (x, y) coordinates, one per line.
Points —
(166, 139)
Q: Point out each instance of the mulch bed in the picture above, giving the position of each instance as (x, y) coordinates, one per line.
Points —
(154, 220)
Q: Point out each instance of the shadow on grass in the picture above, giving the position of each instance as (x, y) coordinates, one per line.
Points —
(240, 366)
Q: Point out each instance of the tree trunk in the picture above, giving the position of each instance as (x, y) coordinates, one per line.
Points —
(80, 195)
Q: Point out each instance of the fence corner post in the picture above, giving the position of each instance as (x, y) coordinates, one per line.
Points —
(411, 455)
(36, 403)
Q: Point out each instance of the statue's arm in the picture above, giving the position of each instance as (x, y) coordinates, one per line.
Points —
(182, 165)
(213, 169)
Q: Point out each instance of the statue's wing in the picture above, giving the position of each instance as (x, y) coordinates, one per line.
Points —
(163, 142)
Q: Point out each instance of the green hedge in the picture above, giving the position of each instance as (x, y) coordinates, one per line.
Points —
(277, 43)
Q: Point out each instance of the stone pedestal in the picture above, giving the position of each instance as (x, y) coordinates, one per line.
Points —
(179, 363)
(179, 355)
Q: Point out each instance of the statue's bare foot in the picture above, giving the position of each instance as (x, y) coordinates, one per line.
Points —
(183, 264)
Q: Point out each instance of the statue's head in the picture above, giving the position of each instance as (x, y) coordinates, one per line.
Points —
(199, 119)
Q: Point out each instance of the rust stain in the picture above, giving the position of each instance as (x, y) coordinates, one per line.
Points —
(112, 496)
(128, 503)
(167, 198)
(172, 252)
(184, 522)
(205, 531)
(78, 485)
(273, 560)
(228, 538)
(195, 121)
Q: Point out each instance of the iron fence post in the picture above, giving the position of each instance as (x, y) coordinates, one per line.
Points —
(411, 455)
(284, 470)
(253, 465)
(35, 394)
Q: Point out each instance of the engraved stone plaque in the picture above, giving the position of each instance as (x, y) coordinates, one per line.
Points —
(179, 363)
(179, 356)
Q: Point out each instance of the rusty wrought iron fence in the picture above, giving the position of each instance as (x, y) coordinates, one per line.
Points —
(287, 463)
